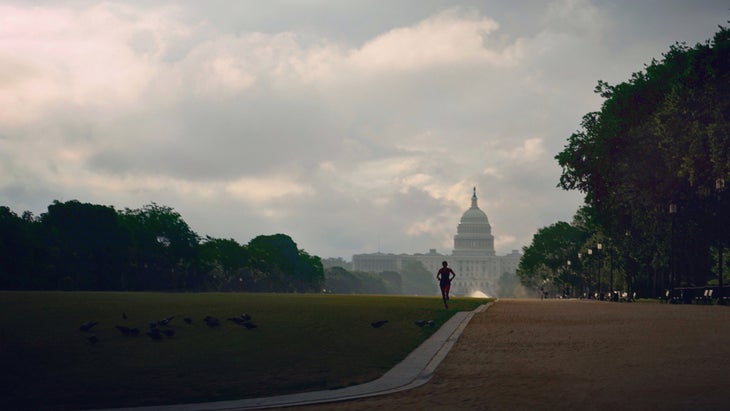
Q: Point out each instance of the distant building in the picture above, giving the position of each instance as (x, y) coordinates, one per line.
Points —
(477, 266)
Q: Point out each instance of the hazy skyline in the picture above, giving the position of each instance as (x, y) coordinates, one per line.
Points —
(352, 126)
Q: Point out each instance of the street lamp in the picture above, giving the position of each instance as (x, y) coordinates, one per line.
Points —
(672, 268)
(583, 285)
(566, 293)
(719, 187)
(599, 247)
(590, 274)
(627, 261)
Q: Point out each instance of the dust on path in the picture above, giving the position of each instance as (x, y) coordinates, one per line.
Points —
(570, 354)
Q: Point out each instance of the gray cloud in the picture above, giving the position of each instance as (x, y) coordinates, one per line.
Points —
(352, 126)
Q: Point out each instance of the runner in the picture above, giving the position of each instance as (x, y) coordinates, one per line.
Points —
(444, 277)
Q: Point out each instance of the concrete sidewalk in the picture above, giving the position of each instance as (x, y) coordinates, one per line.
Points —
(415, 370)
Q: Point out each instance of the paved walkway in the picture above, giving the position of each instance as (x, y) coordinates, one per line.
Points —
(415, 370)
(576, 355)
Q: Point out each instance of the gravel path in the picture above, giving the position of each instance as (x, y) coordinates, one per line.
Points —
(569, 354)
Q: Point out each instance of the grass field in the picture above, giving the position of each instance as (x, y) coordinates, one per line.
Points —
(302, 342)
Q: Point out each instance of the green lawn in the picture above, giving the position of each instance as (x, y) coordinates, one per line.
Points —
(302, 342)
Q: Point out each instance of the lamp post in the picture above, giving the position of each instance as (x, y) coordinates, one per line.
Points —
(719, 187)
(627, 260)
(611, 291)
(570, 274)
(590, 274)
(672, 269)
(599, 247)
(580, 255)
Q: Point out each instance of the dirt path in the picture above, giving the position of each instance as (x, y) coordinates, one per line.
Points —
(567, 354)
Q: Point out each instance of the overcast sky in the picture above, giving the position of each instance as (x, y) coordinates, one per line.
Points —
(352, 126)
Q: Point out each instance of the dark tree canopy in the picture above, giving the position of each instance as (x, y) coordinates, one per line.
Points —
(80, 246)
(660, 138)
(547, 258)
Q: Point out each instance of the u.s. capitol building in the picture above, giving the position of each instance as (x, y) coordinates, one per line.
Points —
(477, 267)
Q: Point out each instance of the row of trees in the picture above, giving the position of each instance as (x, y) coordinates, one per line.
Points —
(412, 279)
(652, 164)
(79, 246)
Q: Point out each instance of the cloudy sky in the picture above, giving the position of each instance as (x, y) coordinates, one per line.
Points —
(352, 126)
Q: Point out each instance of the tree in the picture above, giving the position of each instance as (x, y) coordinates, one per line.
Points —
(285, 267)
(86, 246)
(341, 281)
(545, 260)
(510, 286)
(661, 137)
(226, 265)
(163, 252)
(417, 280)
(21, 252)
(393, 282)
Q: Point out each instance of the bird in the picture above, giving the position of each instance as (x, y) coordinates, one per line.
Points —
(92, 339)
(87, 325)
(168, 332)
(430, 323)
(421, 323)
(237, 320)
(245, 317)
(124, 330)
(188, 320)
(211, 321)
(155, 334)
(378, 324)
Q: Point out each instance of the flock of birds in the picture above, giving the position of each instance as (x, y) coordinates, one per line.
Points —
(158, 330)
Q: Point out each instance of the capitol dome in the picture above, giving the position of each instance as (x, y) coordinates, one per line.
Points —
(474, 234)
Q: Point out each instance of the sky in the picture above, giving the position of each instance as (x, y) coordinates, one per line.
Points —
(352, 126)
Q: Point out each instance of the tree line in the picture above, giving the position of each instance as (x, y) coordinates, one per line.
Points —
(412, 279)
(653, 165)
(81, 246)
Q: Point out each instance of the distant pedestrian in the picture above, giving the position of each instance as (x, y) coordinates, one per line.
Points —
(444, 277)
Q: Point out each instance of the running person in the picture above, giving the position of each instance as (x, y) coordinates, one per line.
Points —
(444, 277)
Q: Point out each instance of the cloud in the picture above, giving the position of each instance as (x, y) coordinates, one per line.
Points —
(453, 37)
(81, 57)
(574, 17)
(360, 127)
(261, 191)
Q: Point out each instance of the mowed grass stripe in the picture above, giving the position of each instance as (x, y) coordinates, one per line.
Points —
(302, 342)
